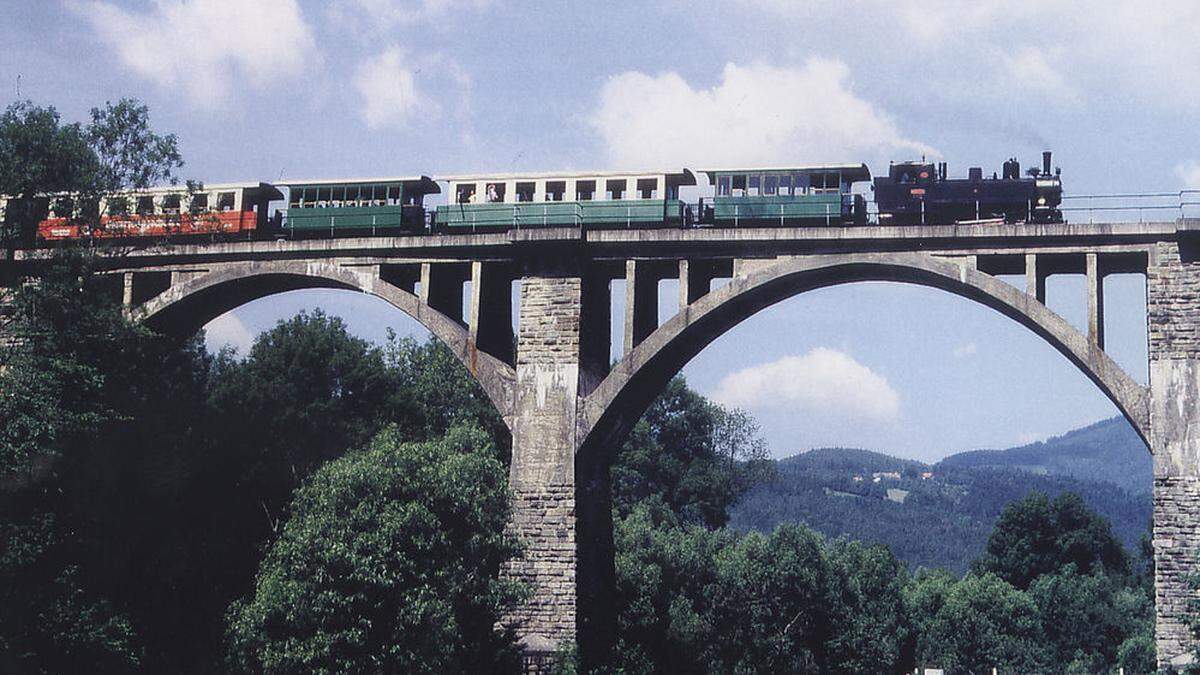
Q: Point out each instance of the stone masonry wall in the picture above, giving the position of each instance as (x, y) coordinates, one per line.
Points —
(542, 476)
(1173, 327)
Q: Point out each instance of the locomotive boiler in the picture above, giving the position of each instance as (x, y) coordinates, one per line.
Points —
(920, 193)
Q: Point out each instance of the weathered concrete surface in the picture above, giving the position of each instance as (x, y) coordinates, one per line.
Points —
(542, 474)
(1173, 315)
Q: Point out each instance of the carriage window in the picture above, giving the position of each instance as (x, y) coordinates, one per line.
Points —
(465, 193)
(555, 189)
(381, 193)
(224, 201)
(785, 184)
(800, 183)
(170, 204)
(199, 202)
(525, 192)
(616, 188)
(739, 186)
(754, 183)
(63, 208)
(647, 188)
(770, 185)
(118, 206)
(145, 206)
(294, 198)
(585, 190)
(413, 198)
(723, 189)
(495, 192)
(393, 195)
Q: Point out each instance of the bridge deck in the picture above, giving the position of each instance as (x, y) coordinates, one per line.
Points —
(667, 243)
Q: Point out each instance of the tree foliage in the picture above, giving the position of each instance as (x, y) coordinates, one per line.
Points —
(40, 156)
(388, 563)
(694, 455)
(1036, 536)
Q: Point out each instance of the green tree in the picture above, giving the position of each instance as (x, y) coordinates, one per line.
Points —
(663, 572)
(771, 602)
(975, 624)
(1036, 536)
(388, 563)
(40, 156)
(1086, 618)
(869, 626)
(306, 392)
(435, 392)
(695, 456)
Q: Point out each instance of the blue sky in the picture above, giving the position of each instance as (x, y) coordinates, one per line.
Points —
(286, 88)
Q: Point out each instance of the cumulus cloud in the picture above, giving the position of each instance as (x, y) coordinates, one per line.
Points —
(1189, 173)
(1112, 50)
(963, 351)
(380, 15)
(1029, 68)
(206, 48)
(387, 85)
(822, 381)
(756, 114)
(228, 330)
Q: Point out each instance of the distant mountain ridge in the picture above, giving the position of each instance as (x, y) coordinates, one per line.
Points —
(1107, 451)
(940, 515)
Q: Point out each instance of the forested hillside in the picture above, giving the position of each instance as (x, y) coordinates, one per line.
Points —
(1105, 451)
(936, 515)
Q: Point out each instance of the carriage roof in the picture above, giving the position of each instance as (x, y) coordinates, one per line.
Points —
(683, 177)
(422, 184)
(850, 172)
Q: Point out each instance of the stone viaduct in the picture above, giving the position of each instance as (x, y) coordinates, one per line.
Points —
(568, 407)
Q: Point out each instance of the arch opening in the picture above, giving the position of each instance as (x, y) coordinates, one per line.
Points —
(184, 308)
(618, 402)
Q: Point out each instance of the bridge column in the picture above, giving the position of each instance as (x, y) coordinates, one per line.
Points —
(641, 302)
(1035, 280)
(561, 511)
(1095, 284)
(1172, 296)
(491, 310)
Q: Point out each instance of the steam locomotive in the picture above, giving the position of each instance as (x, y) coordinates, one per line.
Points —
(912, 193)
(916, 193)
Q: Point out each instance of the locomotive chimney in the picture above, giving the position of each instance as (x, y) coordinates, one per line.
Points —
(1046, 162)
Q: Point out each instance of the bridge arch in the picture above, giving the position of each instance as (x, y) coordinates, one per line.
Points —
(185, 307)
(616, 404)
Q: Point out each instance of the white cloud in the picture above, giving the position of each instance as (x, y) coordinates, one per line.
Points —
(387, 85)
(228, 330)
(1108, 50)
(757, 114)
(207, 48)
(381, 15)
(822, 381)
(1189, 173)
(963, 351)
(1028, 68)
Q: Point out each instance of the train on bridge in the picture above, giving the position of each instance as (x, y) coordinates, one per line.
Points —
(912, 193)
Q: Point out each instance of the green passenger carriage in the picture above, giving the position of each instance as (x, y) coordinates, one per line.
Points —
(591, 200)
(814, 195)
(368, 206)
